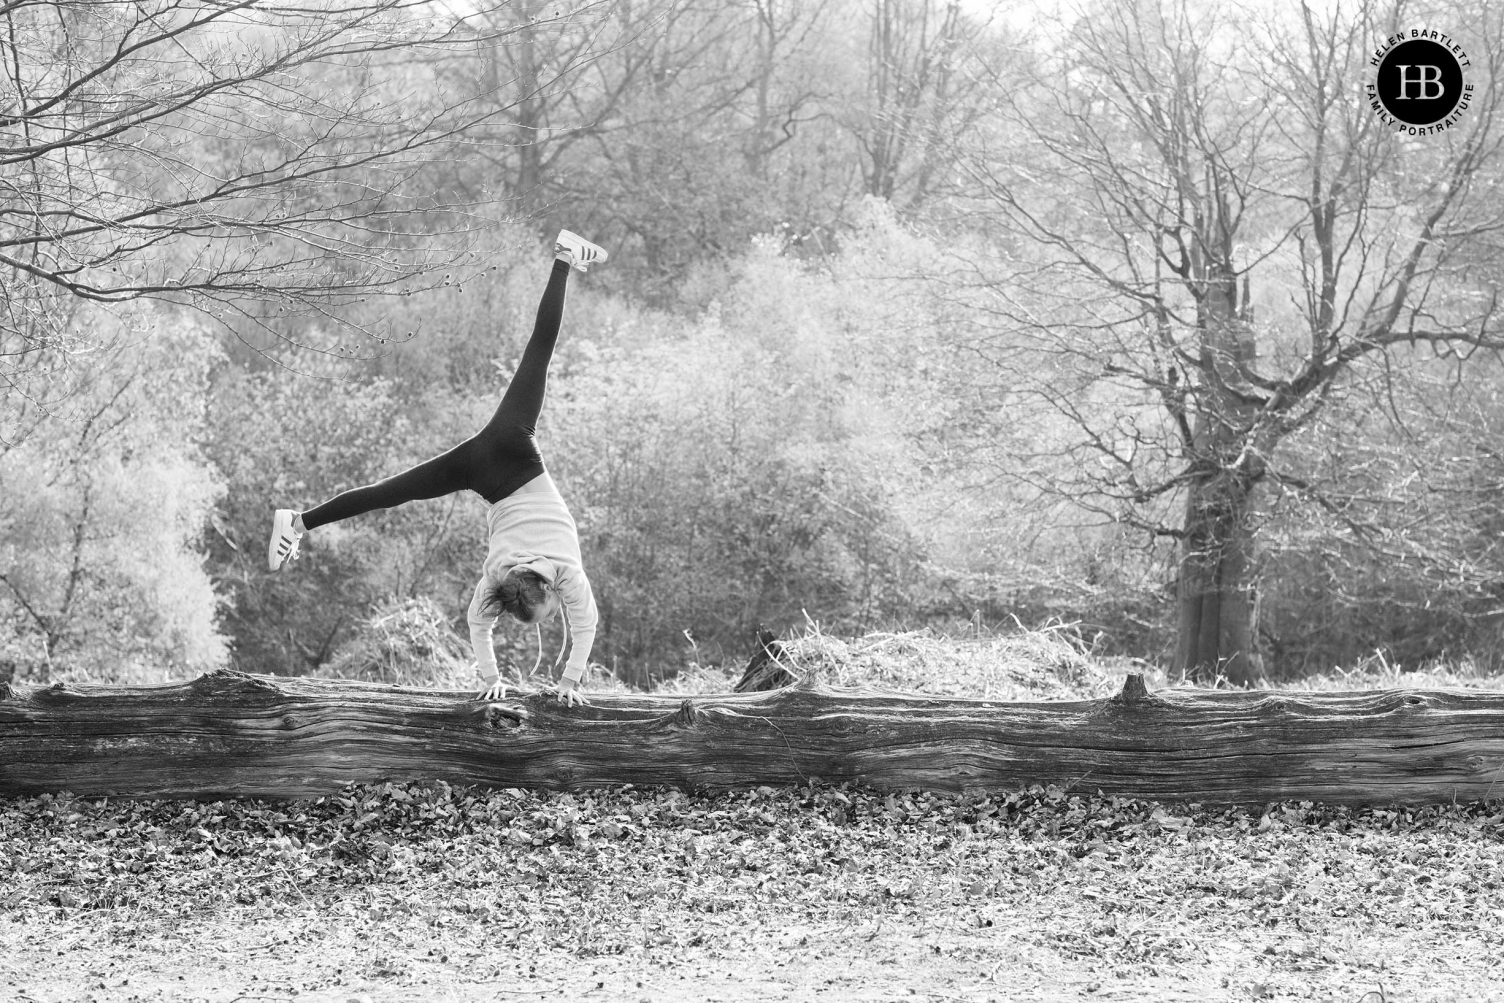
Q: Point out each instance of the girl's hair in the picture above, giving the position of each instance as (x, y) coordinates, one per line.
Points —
(521, 593)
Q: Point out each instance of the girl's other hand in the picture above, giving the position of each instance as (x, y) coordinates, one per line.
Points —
(496, 691)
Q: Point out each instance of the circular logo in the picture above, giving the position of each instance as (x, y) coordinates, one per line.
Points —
(1419, 82)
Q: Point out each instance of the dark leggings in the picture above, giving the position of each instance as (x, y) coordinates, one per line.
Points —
(494, 462)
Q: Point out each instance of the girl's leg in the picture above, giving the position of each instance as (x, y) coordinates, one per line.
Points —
(506, 450)
(499, 459)
(443, 475)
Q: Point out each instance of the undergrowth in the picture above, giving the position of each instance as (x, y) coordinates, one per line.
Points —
(1052, 662)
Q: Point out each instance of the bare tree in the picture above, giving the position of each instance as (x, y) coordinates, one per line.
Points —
(219, 154)
(922, 90)
(782, 101)
(525, 67)
(1392, 542)
(691, 121)
(1190, 167)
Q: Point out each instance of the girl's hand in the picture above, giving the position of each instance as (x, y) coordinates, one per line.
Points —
(496, 691)
(568, 693)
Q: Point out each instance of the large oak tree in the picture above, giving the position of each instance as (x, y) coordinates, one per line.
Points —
(1212, 228)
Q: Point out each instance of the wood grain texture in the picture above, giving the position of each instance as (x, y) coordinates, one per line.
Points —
(230, 734)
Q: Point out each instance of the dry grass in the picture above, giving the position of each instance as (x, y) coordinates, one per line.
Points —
(410, 643)
(1377, 673)
(1046, 664)
(1050, 663)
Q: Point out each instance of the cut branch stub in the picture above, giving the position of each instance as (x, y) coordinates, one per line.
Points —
(1134, 690)
(765, 670)
(229, 734)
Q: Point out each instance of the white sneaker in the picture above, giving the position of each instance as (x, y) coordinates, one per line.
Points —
(582, 253)
(284, 543)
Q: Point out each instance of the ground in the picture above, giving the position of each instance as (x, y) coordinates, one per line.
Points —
(439, 893)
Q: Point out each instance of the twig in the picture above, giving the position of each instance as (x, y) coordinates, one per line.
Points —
(792, 761)
(533, 992)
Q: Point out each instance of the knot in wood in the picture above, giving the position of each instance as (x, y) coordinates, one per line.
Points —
(688, 714)
(57, 693)
(495, 713)
(233, 683)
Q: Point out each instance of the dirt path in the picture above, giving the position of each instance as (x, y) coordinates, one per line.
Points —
(454, 895)
(308, 957)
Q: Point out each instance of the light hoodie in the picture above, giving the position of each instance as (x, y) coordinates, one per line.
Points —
(531, 528)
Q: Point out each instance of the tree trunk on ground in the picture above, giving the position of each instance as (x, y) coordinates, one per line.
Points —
(230, 734)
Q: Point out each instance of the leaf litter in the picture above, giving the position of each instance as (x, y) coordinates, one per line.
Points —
(833, 889)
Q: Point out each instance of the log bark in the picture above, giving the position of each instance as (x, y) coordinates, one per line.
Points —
(231, 734)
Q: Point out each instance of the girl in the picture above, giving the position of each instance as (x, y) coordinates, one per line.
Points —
(532, 567)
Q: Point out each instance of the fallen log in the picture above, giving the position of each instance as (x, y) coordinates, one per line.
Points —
(230, 734)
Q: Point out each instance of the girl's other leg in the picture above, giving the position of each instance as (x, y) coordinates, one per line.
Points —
(443, 475)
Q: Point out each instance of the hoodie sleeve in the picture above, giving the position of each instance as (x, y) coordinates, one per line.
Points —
(481, 627)
(579, 607)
